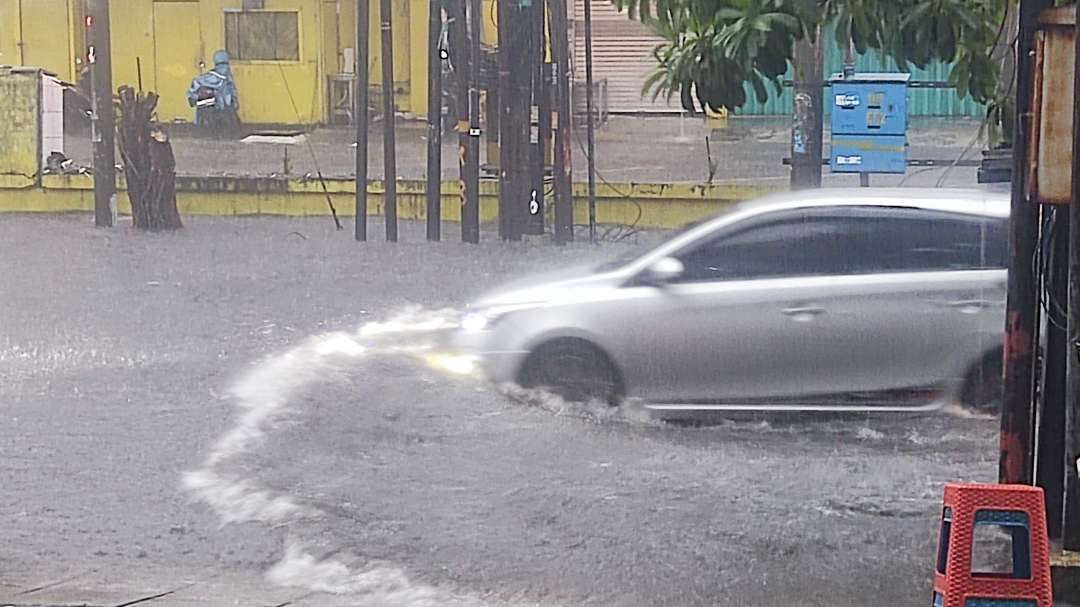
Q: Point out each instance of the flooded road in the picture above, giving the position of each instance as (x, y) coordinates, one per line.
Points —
(206, 406)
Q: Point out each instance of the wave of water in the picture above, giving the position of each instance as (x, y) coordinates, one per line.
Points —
(264, 396)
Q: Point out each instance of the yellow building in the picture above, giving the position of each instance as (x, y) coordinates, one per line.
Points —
(284, 52)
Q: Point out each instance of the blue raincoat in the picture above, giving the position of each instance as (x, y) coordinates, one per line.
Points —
(220, 82)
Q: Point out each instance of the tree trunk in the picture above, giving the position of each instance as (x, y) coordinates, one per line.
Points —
(149, 164)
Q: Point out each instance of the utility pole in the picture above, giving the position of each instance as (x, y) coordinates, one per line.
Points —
(506, 136)
(103, 131)
(591, 125)
(434, 122)
(806, 129)
(469, 173)
(563, 123)
(515, 79)
(472, 143)
(361, 116)
(389, 149)
(542, 101)
(1015, 465)
(1071, 506)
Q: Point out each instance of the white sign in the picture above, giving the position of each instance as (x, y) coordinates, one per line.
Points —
(847, 101)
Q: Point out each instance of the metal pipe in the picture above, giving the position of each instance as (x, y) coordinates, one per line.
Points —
(386, 8)
(590, 133)
(472, 142)
(459, 60)
(434, 122)
(361, 115)
(563, 123)
(507, 141)
(21, 44)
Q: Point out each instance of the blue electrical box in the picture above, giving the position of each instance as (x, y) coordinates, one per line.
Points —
(869, 122)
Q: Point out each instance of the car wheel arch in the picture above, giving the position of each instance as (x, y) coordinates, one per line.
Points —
(574, 335)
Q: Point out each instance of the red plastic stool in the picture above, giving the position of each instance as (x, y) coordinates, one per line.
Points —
(1017, 510)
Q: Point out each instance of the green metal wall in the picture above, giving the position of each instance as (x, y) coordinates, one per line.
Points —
(921, 102)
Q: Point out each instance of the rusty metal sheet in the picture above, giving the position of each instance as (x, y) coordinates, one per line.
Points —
(1053, 107)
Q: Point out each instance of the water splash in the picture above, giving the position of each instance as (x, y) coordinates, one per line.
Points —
(264, 395)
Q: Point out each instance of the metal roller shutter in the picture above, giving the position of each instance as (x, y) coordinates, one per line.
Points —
(622, 55)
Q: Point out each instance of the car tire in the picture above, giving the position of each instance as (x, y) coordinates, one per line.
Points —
(573, 369)
(984, 385)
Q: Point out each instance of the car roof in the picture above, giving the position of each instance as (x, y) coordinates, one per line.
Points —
(968, 201)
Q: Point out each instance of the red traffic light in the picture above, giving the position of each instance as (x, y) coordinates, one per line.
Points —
(89, 21)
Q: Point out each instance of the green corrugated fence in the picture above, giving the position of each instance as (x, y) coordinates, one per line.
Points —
(921, 102)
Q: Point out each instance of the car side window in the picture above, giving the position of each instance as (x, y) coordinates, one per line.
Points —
(848, 240)
(910, 240)
(789, 244)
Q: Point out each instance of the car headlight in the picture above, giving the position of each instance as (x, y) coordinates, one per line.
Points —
(483, 319)
(475, 321)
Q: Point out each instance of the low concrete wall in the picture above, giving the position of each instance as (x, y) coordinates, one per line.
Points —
(663, 206)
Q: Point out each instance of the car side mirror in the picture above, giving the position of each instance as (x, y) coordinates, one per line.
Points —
(662, 272)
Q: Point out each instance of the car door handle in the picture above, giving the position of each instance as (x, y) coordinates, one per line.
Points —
(968, 304)
(804, 312)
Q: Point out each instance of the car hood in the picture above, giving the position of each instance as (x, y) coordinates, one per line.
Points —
(545, 287)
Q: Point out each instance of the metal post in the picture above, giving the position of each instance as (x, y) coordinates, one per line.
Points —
(434, 122)
(806, 128)
(1050, 457)
(506, 126)
(563, 123)
(1017, 414)
(535, 223)
(361, 116)
(543, 142)
(389, 149)
(471, 220)
(1070, 532)
(103, 131)
(589, 121)
(459, 59)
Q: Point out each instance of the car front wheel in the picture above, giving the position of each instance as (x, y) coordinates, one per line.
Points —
(573, 369)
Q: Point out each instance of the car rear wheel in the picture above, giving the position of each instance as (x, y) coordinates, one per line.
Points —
(984, 385)
(574, 369)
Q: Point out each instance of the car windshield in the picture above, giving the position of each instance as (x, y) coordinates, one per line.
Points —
(651, 243)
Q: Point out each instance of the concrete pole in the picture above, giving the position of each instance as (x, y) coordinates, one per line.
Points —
(103, 131)
(806, 128)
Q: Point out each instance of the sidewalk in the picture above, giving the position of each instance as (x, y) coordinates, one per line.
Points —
(661, 149)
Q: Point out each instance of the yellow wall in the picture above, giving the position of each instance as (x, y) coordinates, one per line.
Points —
(663, 206)
(174, 40)
(25, 39)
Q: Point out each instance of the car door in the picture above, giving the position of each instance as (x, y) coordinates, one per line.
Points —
(748, 319)
(811, 302)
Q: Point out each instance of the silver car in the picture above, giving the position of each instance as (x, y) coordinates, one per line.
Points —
(852, 299)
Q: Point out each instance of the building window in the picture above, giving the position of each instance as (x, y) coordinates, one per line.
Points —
(262, 35)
